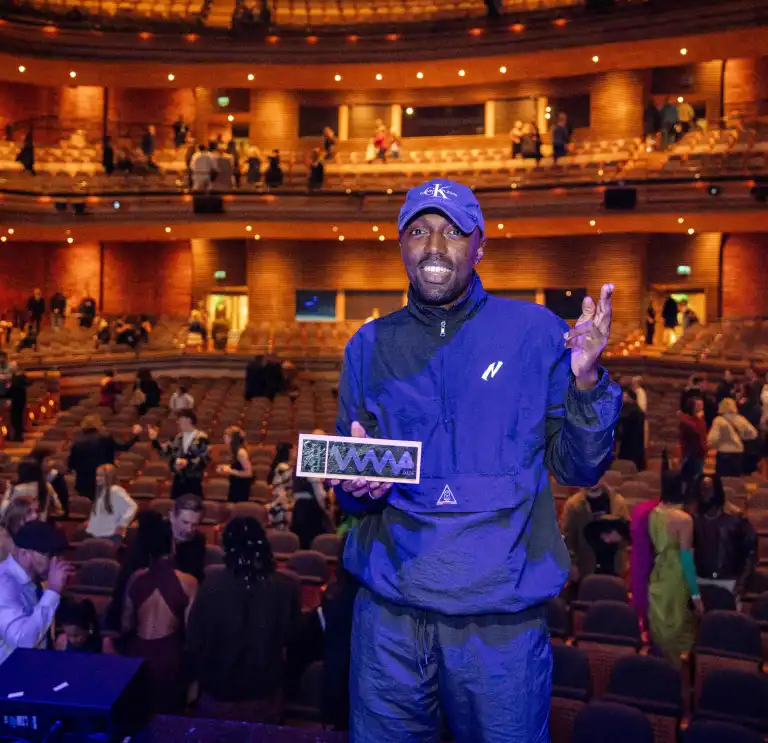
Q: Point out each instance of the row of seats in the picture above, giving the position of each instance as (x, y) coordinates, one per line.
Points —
(729, 340)
(175, 11)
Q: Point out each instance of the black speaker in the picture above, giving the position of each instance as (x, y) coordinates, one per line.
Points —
(620, 198)
(72, 697)
(207, 204)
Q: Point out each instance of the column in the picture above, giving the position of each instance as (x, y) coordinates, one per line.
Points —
(490, 118)
(744, 87)
(274, 119)
(396, 119)
(542, 104)
(203, 112)
(343, 132)
(617, 103)
(81, 107)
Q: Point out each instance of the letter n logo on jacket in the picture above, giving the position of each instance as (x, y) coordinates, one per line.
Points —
(492, 370)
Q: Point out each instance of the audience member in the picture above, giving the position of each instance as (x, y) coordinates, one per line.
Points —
(16, 395)
(255, 380)
(81, 629)
(329, 143)
(188, 454)
(688, 317)
(669, 119)
(36, 309)
(233, 152)
(44, 456)
(693, 437)
(561, 137)
(630, 432)
(157, 602)
(640, 393)
(28, 339)
(673, 581)
(239, 470)
(224, 167)
(21, 509)
(239, 627)
(725, 387)
(651, 120)
(749, 408)
(108, 156)
(87, 312)
(280, 479)
(515, 139)
(220, 332)
(197, 324)
(725, 543)
(669, 315)
(146, 392)
(316, 170)
(113, 509)
(26, 613)
(254, 165)
(650, 323)
(686, 116)
(148, 146)
(110, 390)
(530, 144)
(181, 400)
(274, 176)
(58, 305)
(26, 155)
(31, 481)
(188, 541)
(203, 169)
(310, 516)
(607, 554)
(180, 130)
(92, 447)
(727, 436)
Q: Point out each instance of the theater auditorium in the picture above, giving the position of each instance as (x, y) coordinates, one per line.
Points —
(199, 208)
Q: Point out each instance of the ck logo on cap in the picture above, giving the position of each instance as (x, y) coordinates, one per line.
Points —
(437, 190)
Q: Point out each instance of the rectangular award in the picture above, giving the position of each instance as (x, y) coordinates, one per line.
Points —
(348, 458)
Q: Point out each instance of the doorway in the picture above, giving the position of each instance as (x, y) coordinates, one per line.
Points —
(232, 307)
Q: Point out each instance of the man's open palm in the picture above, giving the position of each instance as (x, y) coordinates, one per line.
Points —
(590, 335)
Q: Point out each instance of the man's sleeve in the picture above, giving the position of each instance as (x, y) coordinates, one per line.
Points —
(351, 409)
(580, 425)
(21, 630)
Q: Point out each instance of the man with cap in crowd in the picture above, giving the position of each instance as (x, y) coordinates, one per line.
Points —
(456, 570)
(27, 611)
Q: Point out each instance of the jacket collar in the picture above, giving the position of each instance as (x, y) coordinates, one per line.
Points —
(472, 301)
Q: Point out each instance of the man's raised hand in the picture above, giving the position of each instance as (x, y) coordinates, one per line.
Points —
(589, 337)
(362, 487)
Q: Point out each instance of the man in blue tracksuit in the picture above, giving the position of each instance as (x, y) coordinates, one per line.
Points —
(457, 569)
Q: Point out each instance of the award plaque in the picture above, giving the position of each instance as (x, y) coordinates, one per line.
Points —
(348, 458)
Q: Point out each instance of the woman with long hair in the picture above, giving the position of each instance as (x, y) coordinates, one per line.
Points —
(113, 510)
(21, 509)
(240, 469)
(30, 480)
(43, 455)
(673, 591)
(155, 611)
(239, 627)
(82, 632)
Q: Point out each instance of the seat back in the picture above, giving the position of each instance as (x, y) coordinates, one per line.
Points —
(607, 722)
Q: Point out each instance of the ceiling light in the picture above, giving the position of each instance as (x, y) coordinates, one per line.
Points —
(592, 223)
(462, 73)
(230, 118)
(680, 220)
(375, 228)
(691, 230)
(548, 109)
(72, 74)
(419, 75)
(337, 78)
(341, 238)
(257, 237)
(335, 228)
(3, 239)
(167, 229)
(22, 68)
(680, 99)
(600, 172)
(517, 27)
(547, 116)
(500, 226)
(11, 230)
(171, 76)
(381, 238)
(503, 70)
(249, 228)
(409, 111)
(683, 51)
(251, 76)
(389, 192)
(379, 76)
(560, 22)
(595, 59)
(70, 240)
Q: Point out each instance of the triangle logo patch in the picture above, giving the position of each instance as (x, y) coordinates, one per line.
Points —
(446, 498)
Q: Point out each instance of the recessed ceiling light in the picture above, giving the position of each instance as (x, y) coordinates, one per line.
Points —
(381, 238)
(22, 68)
(335, 228)
(167, 229)
(3, 239)
(70, 240)
(257, 237)
(595, 59)
(500, 226)
(337, 78)
(592, 223)
(375, 228)
(230, 118)
(409, 111)
(171, 76)
(11, 230)
(680, 220)
(72, 74)
(251, 76)
(341, 238)
(419, 75)
(680, 99)
(683, 51)
(462, 73)
(248, 228)
(379, 76)
(389, 192)
(691, 230)
(503, 70)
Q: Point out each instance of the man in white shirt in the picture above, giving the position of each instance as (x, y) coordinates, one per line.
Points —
(181, 400)
(202, 169)
(26, 613)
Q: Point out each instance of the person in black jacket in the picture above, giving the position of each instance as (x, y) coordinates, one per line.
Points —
(146, 391)
(108, 156)
(58, 305)
(87, 312)
(36, 309)
(255, 380)
(17, 396)
(188, 540)
(630, 432)
(725, 387)
(91, 448)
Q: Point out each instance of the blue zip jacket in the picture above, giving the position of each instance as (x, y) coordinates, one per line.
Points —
(486, 386)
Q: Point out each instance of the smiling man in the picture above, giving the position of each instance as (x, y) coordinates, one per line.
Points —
(456, 570)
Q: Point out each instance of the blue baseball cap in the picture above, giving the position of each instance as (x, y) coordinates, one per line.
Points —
(451, 199)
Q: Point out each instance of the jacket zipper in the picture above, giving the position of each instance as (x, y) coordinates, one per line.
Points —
(442, 328)
(442, 377)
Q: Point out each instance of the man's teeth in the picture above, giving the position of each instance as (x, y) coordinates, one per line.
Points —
(437, 269)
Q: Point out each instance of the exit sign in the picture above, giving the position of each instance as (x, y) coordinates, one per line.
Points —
(683, 270)
(220, 275)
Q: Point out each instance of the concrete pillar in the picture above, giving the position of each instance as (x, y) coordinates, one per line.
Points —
(396, 119)
(490, 118)
(343, 132)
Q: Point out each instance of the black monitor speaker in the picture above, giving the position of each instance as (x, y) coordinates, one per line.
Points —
(620, 198)
(207, 204)
(54, 696)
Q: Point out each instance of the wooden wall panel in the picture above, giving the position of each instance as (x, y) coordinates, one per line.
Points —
(617, 102)
(745, 275)
(209, 256)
